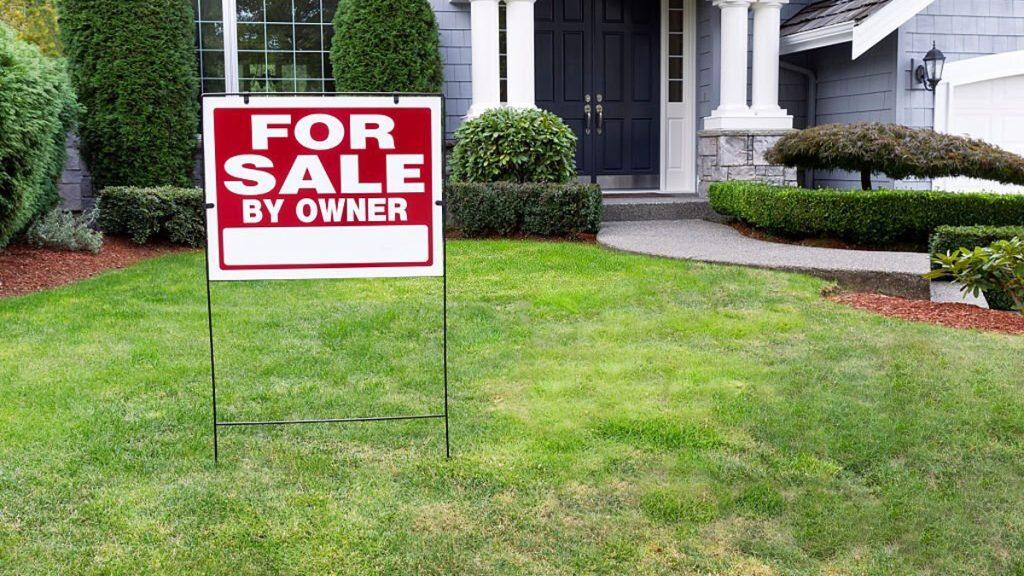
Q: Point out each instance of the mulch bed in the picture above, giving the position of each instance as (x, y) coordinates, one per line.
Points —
(26, 269)
(953, 315)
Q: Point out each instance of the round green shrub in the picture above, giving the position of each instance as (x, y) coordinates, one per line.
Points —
(37, 108)
(897, 151)
(133, 65)
(514, 145)
(386, 46)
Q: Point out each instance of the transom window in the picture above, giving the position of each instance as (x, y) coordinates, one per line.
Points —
(283, 45)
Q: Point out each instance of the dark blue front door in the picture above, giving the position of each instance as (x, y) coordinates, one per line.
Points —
(598, 68)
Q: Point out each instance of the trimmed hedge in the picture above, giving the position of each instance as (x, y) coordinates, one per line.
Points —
(514, 145)
(386, 46)
(870, 218)
(948, 239)
(177, 215)
(133, 65)
(896, 150)
(37, 109)
(512, 209)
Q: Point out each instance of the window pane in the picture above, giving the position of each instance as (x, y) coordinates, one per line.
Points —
(307, 37)
(330, 6)
(213, 85)
(213, 35)
(210, 10)
(328, 67)
(675, 21)
(329, 86)
(252, 65)
(213, 64)
(249, 10)
(675, 91)
(279, 37)
(280, 65)
(308, 65)
(250, 37)
(281, 86)
(328, 36)
(675, 44)
(676, 4)
(307, 11)
(308, 85)
(675, 68)
(279, 10)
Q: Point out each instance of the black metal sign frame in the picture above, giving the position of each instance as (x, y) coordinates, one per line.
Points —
(444, 415)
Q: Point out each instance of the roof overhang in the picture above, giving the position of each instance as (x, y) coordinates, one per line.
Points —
(862, 35)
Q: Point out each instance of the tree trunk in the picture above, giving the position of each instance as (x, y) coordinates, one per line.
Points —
(865, 179)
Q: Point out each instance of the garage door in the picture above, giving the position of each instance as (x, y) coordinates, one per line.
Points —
(992, 111)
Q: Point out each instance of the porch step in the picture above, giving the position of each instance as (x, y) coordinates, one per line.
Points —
(654, 206)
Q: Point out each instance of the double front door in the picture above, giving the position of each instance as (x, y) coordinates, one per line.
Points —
(598, 67)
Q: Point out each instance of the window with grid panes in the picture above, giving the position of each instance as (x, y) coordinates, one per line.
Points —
(283, 45)
(675, 50)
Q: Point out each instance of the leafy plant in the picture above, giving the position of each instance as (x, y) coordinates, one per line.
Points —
(386, 46)
(514, 209)
(869, 218)
(37, 109)
(177, 215)
(133, 65)
(64, 230)
(996, 267)
(35, 21)
(514, 145)
(950, 238)
(897, 151)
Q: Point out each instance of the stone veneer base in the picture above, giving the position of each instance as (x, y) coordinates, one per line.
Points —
(724, 155)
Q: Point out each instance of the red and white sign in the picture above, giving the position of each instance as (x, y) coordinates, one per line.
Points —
(323, 187)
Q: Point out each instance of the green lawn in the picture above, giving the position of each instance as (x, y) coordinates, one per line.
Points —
(612, 414)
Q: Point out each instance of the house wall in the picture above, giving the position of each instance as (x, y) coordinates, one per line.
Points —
(456, 53)
(961, 30)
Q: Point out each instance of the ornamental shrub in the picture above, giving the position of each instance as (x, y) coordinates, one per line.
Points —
(133, 66)
(514, 145)
(386, 46)
(950, 239)
(999, 267)
(37, 108)
(63, 230)
(513, 209)
(870, 218)
(897, 151)
(177, 215)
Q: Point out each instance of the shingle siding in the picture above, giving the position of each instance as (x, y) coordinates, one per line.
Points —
(456, 52)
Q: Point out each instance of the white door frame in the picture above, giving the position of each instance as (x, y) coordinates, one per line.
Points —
(684, 178)
(970, 71)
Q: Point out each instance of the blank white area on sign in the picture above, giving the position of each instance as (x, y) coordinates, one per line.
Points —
(326, 245)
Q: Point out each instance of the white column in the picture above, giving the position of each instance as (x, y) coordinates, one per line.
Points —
(230, 15)
(732, 111)
(521, 73)
(486, 56)
(767, 26)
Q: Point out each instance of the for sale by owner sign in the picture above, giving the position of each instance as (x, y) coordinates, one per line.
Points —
(323, 187)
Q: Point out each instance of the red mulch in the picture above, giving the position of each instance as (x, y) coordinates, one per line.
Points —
(25, 269)
(953, 315)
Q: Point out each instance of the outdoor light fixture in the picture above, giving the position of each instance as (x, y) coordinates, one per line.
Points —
(930, 73)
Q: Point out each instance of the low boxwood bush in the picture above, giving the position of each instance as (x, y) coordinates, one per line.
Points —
(514, 145)
(386, 46)
(64, 230)
(177, 215)
(513, 209)
(133, 65)
(37, 108)
(870, 218)
(897, 151)
(949, 239)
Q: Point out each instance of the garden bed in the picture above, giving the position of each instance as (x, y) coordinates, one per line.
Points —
(952, 315)
(26, 269)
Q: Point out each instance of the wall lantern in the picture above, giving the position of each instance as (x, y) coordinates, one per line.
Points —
(930, 73)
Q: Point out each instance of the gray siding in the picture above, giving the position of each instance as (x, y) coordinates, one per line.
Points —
(962, 30)
(456, 52)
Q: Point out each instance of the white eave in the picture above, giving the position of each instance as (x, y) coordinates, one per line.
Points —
(862, 35)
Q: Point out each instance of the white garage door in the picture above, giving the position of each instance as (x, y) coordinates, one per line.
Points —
(992, 111)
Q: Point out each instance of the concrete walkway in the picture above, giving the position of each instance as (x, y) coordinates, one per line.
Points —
(892, 273)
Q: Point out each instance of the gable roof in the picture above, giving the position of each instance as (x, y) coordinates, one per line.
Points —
(864, 23)
(831, 12)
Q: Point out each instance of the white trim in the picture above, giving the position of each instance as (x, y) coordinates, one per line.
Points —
(229, 12)
(688, 182)
(970, 71)
(862, 36)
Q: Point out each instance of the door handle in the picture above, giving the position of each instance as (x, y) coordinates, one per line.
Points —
(589, 114)
(600, 119)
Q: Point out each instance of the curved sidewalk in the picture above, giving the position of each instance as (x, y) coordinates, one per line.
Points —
(892, 273)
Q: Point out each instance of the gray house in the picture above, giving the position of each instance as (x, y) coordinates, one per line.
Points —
(671, 95)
